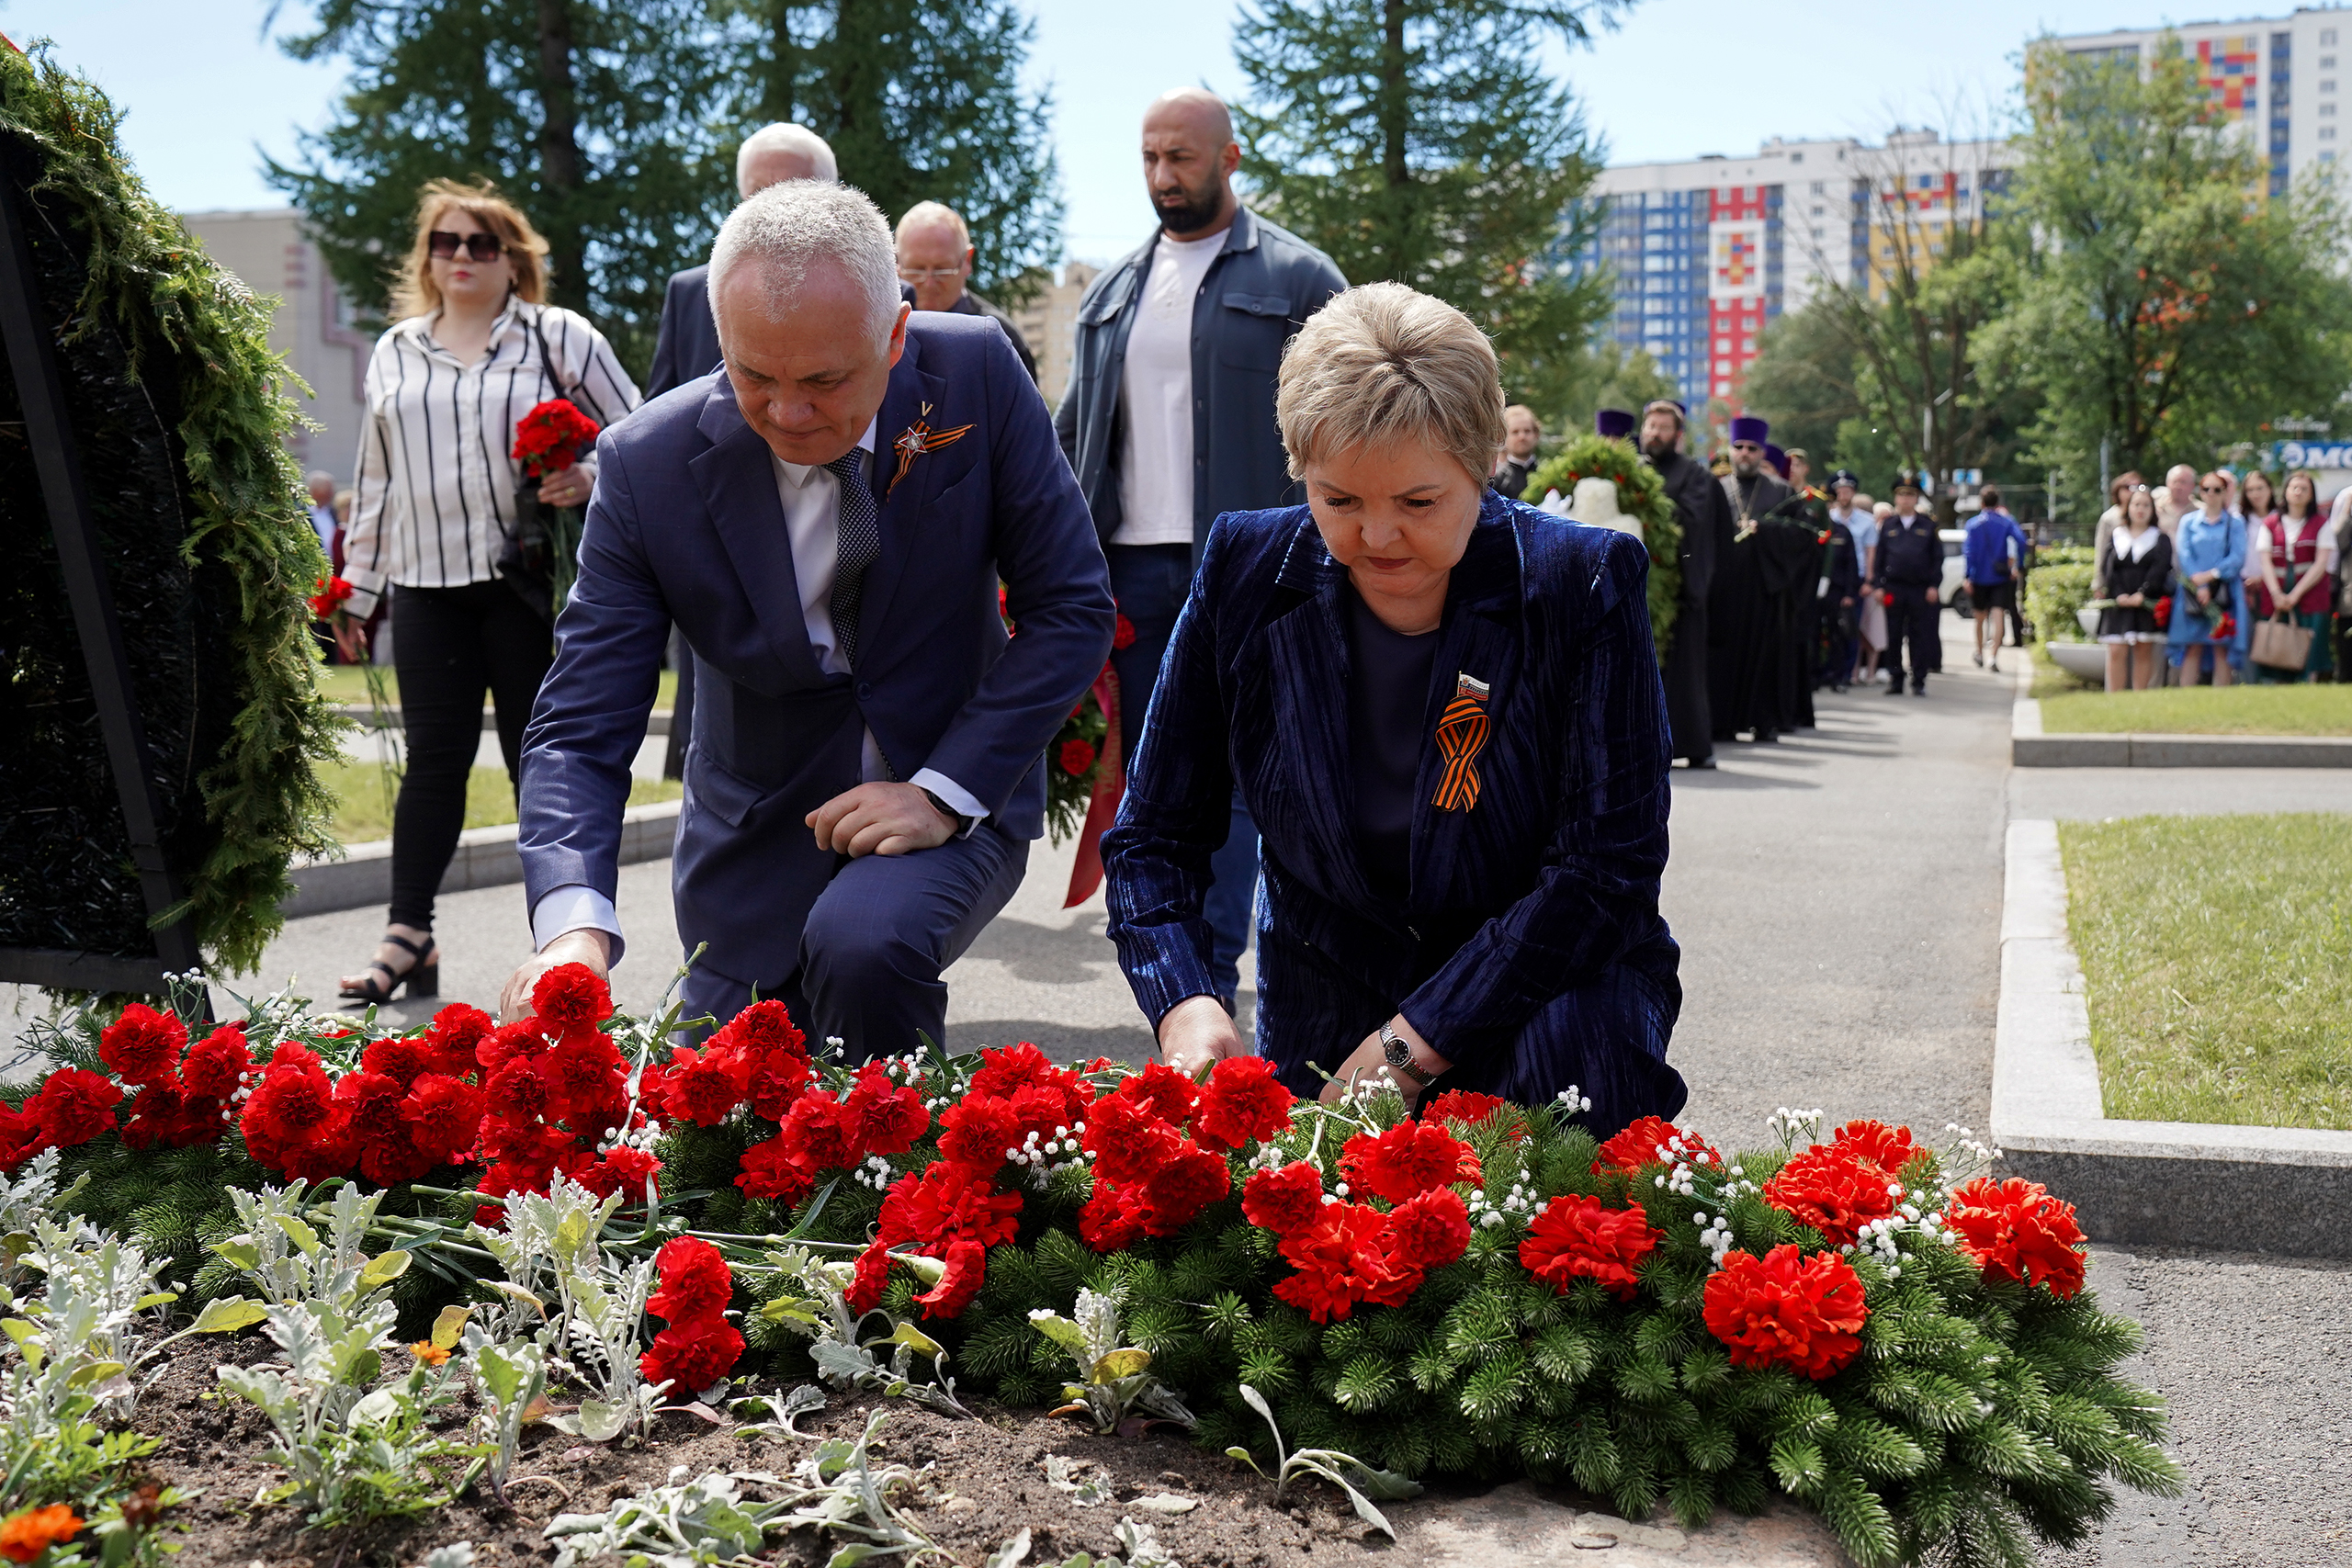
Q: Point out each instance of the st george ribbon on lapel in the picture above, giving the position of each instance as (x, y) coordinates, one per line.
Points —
(1461, 736)
(858, 541)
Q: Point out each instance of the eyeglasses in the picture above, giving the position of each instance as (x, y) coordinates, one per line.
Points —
(930, 274)
(478, 247)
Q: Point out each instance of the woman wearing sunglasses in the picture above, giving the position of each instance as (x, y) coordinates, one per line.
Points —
(474, 346)
(2208, 563)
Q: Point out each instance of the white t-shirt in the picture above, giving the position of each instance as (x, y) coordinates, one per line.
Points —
(1156, 444)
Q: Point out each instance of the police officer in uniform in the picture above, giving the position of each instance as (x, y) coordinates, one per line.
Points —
(1910, 567)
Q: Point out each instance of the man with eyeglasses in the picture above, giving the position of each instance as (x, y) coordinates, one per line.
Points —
(935, 261)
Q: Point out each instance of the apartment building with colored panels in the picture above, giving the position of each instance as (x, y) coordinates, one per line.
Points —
(2275, 79)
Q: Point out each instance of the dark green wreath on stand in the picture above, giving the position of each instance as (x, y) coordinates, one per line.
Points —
(1639, 496)
(212, 580)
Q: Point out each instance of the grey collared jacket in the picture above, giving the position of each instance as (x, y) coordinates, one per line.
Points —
(1259, 290)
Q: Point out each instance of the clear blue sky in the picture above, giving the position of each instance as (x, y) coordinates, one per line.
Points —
(206, 91)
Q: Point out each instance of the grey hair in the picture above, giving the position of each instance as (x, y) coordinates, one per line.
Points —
(936, 212)
(786, 227)
(1381, 364)
(784, 137)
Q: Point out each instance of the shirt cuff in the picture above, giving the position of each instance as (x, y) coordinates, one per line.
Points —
(575, 906)
(958, 799)
(366, 592)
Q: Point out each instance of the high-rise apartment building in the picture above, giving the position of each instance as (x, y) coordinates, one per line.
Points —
(1703, 251)
(2275, 78)
(1049, 322)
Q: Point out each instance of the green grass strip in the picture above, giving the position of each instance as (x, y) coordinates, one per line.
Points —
(2202, 710)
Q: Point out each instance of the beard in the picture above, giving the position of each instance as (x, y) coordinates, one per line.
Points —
(1191, 211)
(1660, 450)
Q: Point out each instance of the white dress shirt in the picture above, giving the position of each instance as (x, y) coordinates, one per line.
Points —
(1156, 388)
(811, 498)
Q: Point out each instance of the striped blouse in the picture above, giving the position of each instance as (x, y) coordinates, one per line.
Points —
(435, 498)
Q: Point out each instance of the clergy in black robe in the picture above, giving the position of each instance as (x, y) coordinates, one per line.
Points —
(1705, 521)
(1801, 626)
(1760, 582)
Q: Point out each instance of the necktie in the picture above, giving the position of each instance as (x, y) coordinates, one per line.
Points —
(858, 541)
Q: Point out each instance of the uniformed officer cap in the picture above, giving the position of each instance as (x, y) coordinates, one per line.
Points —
(1845, 477)
(1907, 479)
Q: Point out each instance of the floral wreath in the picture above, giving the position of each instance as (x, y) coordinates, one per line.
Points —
(1641, 496)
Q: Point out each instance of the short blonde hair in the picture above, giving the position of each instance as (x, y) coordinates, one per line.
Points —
(1381, 364)
(1519, 408)
(414, 291)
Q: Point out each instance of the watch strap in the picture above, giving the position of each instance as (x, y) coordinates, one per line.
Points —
(1399, 1054)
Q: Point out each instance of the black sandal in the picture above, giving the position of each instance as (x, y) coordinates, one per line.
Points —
(423, 977)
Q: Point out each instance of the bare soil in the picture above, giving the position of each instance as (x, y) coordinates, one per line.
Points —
(986, 1484)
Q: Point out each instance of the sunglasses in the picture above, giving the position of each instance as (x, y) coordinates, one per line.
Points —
(2216, 489)
(478, 247)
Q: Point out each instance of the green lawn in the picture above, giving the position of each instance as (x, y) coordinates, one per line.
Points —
(2200, 710)
(363, 805)
(348, 684)
(2214, 949)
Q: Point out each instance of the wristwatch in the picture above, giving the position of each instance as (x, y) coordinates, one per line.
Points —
(1400, 1057)
(963, 823)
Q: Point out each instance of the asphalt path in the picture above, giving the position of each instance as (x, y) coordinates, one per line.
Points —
(1837, 900)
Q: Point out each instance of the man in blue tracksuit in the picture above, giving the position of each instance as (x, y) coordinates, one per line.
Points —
(1910, 565)
(1170, 416)
(1995, 553)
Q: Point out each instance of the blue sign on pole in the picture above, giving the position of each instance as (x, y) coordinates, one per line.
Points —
(2311, 454)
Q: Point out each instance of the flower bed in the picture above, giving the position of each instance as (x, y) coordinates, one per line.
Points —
(1860, 1321)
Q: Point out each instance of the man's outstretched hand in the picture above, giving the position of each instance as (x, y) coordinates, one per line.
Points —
(880, 819)
(1198, 1032)
(572, 947)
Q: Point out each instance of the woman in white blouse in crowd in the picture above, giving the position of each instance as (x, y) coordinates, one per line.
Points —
(473, 349)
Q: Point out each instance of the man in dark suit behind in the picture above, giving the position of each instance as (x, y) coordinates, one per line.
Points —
(826, 522)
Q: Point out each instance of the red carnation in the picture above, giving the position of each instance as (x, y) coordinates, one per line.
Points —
(1889, 1148)
(1653, 1139)
(1581, 1237)
(770, 1170)
(977, 1130)
(20, 1133)
(442, 1114)
(331, 596)
(1339, 1259)
(401, 1059)
(704, 1085)
(552, 436)
(1833, 1190)
(1128, 1138)
(217, 1064)
(1007, 1071)
(947, 1202)
(1805, 1313)
(143, 1046)
(293, 1101)
(76, 1105)
(1167, 1093)
(1243, 1101)
(1406, 1161)
(690, 1357)
(1283, 1201)
(631, 1171)
(329, 1149)
(967, 1272)
(871, 1279)
(696, 1280)
(571, 996)
(1430, 1231)
(1123, 633)
(819, 1133)
(888, 1117)
(1076, 756)
(583, 1072)
(457, 1030)
(767, 1026)
(154, 1116)
(523, 1037)
(778, 1078)
(1175, 1194)
(1112, 1219)
(373, 1102)
(1464, 1105)
(2016, 1231)
(517, 1092)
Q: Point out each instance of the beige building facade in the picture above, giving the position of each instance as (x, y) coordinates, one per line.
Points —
(1050, 323)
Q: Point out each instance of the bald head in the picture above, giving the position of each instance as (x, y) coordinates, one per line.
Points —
(1189, 156)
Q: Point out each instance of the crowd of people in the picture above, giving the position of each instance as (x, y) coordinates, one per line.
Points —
(2233, 576)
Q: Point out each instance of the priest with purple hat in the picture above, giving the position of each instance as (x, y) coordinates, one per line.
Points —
(1705, 520)
(1761, 583)
(1614, 424)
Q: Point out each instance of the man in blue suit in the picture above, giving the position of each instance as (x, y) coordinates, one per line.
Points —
(826, 520)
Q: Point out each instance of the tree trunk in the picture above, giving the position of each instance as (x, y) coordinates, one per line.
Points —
(779, 94)
(559, 157)
(1395, 121)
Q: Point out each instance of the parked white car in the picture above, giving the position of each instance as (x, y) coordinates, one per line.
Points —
(1954, 591)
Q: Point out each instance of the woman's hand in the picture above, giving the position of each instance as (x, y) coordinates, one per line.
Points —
(566, 487)
(351, 639)
(2204, 595)
(2130, 601)
(1368, 1063)
(1198, 1032)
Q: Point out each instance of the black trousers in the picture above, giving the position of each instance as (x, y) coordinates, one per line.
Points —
(449, 646)
(1910, 616)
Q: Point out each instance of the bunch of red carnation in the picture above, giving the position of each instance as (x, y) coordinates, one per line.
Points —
(1574, 1238)
(1787, 1310)
(1345, 1251)
(332, 593)
(2018, 1232)
(879, 1114)
(182, 1092)
(552, 436)
(1840, 1187)
(1653, 1140)
(700, 1345)
(1158, 1143)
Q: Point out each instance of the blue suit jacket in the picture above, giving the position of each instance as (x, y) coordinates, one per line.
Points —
(1549, 882)
(686, 527)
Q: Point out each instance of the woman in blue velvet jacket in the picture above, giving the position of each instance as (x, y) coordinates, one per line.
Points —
(1443, 710)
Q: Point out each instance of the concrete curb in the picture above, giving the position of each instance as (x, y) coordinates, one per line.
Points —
(2284, 1189)
(485, 858)
(360, 714)
(2030, 747)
